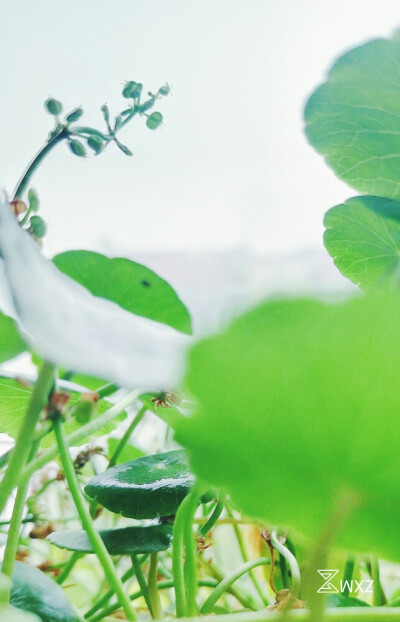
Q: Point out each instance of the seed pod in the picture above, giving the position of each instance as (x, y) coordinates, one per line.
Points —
(38, 226)
(33, 200)
(77, 148)
(74, 115)
(132, 90)
(164, 90)
(106, 113)
(53, 106)
(154, 120)
(95, 143)
(85, 408)
(124, 148)
(118, 123)
(147, 105)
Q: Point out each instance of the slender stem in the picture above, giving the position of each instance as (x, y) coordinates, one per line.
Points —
(348, 574)
(81, 435)
(227, 582)
(162, 585)
(66, 571)
(125, 438)
(378, 598)
(39, 157)
(153, 589)
(245, 558)
(25, 438)
(293, 565)
(246, 600)
(15, 524)
(190, 542)
(204, 529)
(100, 602)
(107, 389)
(142, 583)
(177, 560)
(86, 520)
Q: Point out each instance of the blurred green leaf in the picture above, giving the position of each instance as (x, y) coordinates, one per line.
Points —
(340, 600)
(363, 237)
(148, 487)
(11, 342)
(297, 404)
(128, 453)
(131, 285)
(353, 118)
(33, 591)
(14, 399)
(142, 539)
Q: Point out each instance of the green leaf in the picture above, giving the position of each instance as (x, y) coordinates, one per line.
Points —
(148, 487)
(14, 399)
(11, 342)
(297, 404)
(128, 453)
(131, 285)
(353, 118)
(124, 541)
(340, 600)
(363, 237)
(53, 106)
(34, 592)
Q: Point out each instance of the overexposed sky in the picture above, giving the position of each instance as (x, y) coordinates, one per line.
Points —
(231, 166)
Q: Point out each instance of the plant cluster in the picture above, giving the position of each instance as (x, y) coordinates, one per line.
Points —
(287, 425)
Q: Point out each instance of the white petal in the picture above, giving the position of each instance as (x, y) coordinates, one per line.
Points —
(69, 326)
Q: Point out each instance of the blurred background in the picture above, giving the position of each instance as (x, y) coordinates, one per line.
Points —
(226, 200)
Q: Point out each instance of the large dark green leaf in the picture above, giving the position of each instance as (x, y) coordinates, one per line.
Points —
(11, 342)
(144, 488)
(34, 592)
(298, 403)
(14, 399)
(353, 119)
(123, 541)
(363, 237)
(131, 285)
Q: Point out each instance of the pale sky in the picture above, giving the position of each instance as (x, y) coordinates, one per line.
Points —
(230, 168)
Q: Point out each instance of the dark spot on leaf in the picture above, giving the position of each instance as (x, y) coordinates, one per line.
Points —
(145, 283)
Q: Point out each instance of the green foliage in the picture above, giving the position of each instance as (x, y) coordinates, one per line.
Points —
(33, 591)
(363, 237)
(297, 404)
(353, 118)
(38, 226)
(148, 487)
(144, 539)
(11, 342)
(53, 106)
(14, 399)
(131, 285)
(340, 600)
(154, 120)
(128, 453)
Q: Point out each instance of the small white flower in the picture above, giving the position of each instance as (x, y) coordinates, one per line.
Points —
(70, 327)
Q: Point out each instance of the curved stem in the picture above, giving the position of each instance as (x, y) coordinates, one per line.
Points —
(87, 523)
(64, 574)
(153, 589)
(177, 560)
(39, 157)
(204, 529)
(25, 438)
(227, 582)
(292, 561)
(190, 569)
(125, 438)
(142, 583)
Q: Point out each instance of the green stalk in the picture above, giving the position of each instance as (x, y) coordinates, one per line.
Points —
(378, 598)
(101, 602)
(37, 160)
(15, 525)
(348, 574)
(204, 529)
(87, 523)
(246, 600)
(177, 560)
(293, 565)
(190, 542)
(70, 564)
(245, 558)
(153, 588)
(107, 389)
(229, 580)
(125, 438)
(162, 585)
(79, 436)
(142, 583)
(26, 434)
